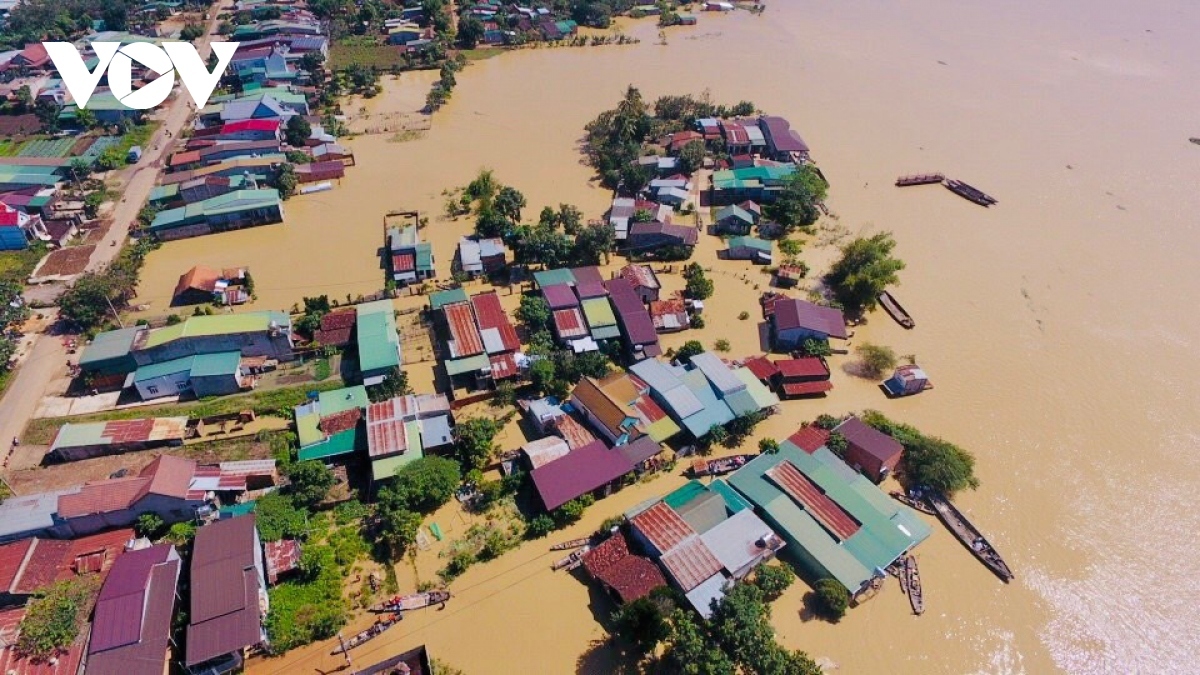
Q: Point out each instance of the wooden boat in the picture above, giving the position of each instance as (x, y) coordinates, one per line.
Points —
(915, 503)
(920, 179)
(719, 466)
(572, 561)
(912, 576)
(373, 631)
(574, 543)
(969, 193)
(893, 307)
(971, 537)
(407, 603)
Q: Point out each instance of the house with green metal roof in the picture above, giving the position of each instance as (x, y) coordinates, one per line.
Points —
(411, 259)
(757, 183)
(379, 348)
(734, 219)
(837, 523)
(202, 375)
(111, 352)
(328, 425)
(442, 298)
(231, 211)
(750, 248)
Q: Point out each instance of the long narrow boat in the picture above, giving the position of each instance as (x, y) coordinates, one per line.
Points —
(572, 561)
(893, 307)
(407, 603)
(920, 179)
(373, 631)
(916, 597)
(969, 193)
(969, 535)
(913, 502)
(719, 466)
(572, 544)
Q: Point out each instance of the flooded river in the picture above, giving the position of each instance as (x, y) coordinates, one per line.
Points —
(1057, 326)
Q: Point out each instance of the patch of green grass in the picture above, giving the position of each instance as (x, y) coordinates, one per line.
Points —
(322, 370)
(18, 265)
(481, 53)
(366, 52)
(9, 148)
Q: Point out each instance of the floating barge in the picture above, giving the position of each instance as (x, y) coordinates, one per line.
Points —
(920, 179)
(912, 577)
(407, 603)
(375, 630)
(969, 535)
(969, 193)
(893, 307)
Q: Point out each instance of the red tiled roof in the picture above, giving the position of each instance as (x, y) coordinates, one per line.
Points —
(199, 278)
(490, 314)
(662, 527)
(342, 318)
(503, 366)
(761, 366)
(339, 422)
(809, 438)
(11, 558)
(691, 563)
(181, 158)
(337, 337)
(807, 388)
(166, 475)
(629, 576)
(575, 434)
(809, 366)
(569, 323)
(464, 333)
(809, 496)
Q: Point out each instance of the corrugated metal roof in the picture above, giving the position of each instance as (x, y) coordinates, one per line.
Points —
(718, 373)
(599, 313)
(545, 450)
(872, 441)
(378, 341)
(491, 316)
(560, 296)
(691, 563)
(464, 334)
(581, 471)
(662, 527)
(569, 323)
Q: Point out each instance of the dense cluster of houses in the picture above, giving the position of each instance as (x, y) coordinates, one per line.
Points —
(512, 23)
(588, 310)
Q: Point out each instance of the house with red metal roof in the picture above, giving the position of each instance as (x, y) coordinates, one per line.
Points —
(31, 565)
(164, 487)
(869, 450)
(643, 280)
(399, 430)
(229, 601)
(249, 130)
(67, 661)
(594, 468)
(806, 376)
(131, 629)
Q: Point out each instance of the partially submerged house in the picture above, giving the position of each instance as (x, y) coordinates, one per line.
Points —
(907, 380)
(793, 321)
(75, 441)
(619, 406)
(869, 450)
(806, 376)
(229, 601)
(481, 256)
(669, 316)
(735, 219)
(481, 345)
(165, 487)
(705, 538)
(411, 259)
(637, 328)
(836, 523)
(379, 350)
(201, 285)
(645, 237)
(760, 183)
(744, 247)
(593, 468)
(625, 575)
(131, 629)
(708, 393)
(231, 211)
(400, 429)
(642, 280)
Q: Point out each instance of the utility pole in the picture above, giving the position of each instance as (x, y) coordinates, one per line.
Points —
(114, 311)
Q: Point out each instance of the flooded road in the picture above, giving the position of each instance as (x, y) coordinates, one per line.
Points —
(1057, 326)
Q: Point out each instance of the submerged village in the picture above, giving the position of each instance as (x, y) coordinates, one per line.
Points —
(217, 486)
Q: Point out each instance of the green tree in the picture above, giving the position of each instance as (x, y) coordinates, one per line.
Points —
(474, 441)
(928, 460)
(310, 482)
(642, 623)
(768, 446)
(278, 518)
(773, 580)
(827, 422)
(535, 313)
(796, 204)
(539, 526)
(148, 525)
(192, 32)
(837, 444)
(86, 303)
(832, 599)
(698, 286)
(691, 156)
(741, 625)
(875, 359)
(181, 534)
(509, 202)
(285, 180)
(570, 217)
(470, 31)
(422, 485)
(540, 245)
(544, 376)
(864, 270)
(395, 383)
(54, 617)
(688, 350)
(816, 347)
(594, 243)
(397, 525)
(297, 131)
(690, 651)
(79, 169)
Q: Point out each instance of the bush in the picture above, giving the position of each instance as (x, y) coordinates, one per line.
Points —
(422, 485)
(642, 623)
(876, 359)
(310, 482)
(837, 444)
(768, 446)
(278, 518)
(742, 316)
(539, 526)
(688, 350)
(54, 617)
(865, 269)
(148, 525)
(721, 345)
(832, 599)
(773, 580)
(311, 609)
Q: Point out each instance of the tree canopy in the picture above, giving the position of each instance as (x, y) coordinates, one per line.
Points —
(796, 204)
(297, 131)
(310, 482)
(474, 441)
(928, 460)
(864, 270)
(423, 484)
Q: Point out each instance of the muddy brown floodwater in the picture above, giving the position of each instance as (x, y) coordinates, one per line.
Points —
(1058, 326)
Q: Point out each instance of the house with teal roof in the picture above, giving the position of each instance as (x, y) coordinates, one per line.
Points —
(379, 348)
(231, 211)
(202, 375)
(328, 425)
(837, 524)
(757, 183)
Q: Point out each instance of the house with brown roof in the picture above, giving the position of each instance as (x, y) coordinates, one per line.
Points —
(869, 450)
(30, 565)
(164, 487)
(669, 316)
(806, 376)
(131, 629)
(794, 320)
(643, 280)
(619, 406)
(646, 237)
(336, 328)
(229, 601)
(626, 575)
